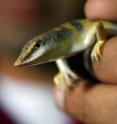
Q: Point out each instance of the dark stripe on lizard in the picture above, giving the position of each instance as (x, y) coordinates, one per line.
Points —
(77, 25)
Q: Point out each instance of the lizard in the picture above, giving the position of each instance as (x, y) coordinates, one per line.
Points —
(64, 41)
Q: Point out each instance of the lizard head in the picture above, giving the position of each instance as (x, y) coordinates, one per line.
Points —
(45, 47)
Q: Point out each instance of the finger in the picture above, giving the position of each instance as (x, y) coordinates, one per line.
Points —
(90, 104)
(101, 9)
(106, 69)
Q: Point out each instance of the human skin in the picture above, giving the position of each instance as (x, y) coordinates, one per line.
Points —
(92, 102)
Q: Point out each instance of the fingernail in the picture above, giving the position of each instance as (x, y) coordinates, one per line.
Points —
(59, 97)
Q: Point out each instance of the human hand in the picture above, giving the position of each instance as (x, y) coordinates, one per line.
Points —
(92, 102)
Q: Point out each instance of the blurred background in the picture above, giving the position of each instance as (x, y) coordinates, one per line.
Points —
(26, 95)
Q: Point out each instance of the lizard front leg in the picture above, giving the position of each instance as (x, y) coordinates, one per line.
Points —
(66, 76)
(100, 40)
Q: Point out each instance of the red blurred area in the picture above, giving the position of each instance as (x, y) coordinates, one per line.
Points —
(4, 119)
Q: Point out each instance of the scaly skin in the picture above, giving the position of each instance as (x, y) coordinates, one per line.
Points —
(66, 40)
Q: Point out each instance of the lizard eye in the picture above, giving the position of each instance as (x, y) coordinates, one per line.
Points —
(38, 44)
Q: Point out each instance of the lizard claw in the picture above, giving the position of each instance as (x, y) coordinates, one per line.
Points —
(96, 53)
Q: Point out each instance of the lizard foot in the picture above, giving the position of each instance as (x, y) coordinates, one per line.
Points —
(96, 53)
(63, 80)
